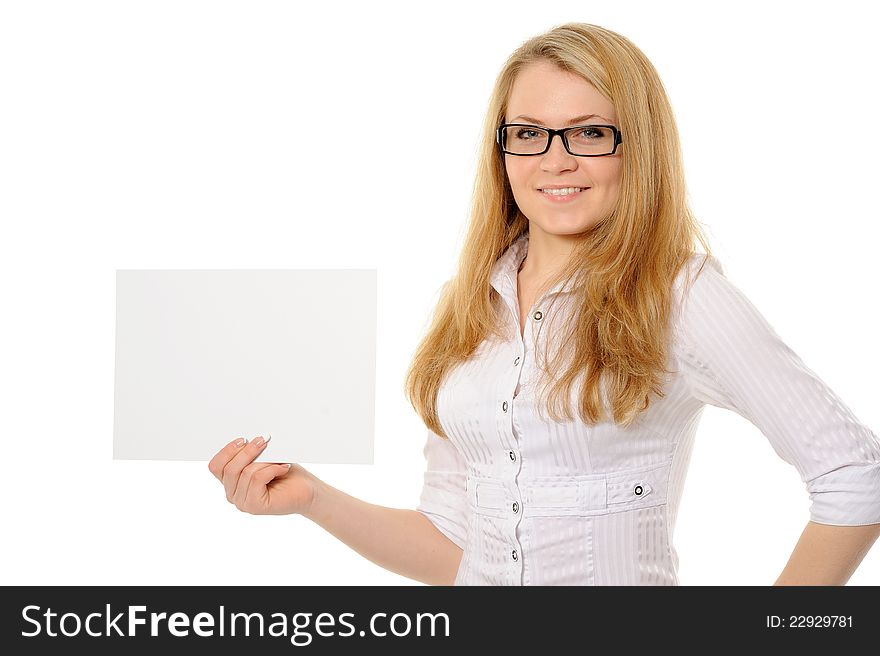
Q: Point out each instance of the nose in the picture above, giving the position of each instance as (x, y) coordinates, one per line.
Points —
(557, 157)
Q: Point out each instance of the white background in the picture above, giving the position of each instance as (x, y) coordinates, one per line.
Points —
(293, 135)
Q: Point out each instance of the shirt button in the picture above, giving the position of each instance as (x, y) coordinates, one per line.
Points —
(512, 456)
(504, 406)
(516, 362)
(515, 507)
(514, 555)
(538, 315)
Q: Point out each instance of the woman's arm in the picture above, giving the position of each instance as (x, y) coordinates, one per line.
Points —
(732, 358)
(828, 555)
(403, 541)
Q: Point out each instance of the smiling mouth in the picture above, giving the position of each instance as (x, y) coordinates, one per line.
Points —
(567, 192)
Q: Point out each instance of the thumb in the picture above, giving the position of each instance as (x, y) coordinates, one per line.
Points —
(268, 473)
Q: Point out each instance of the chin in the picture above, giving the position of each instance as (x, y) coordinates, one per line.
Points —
(562, 226)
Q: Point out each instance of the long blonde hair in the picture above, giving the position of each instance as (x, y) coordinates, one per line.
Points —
(623, 267)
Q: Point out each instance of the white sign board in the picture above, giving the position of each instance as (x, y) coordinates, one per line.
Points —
(206, 356)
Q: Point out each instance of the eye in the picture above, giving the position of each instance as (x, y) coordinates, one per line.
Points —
(519, 134)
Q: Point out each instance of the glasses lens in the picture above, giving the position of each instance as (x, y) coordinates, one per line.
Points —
(523, 140)
(591, 140)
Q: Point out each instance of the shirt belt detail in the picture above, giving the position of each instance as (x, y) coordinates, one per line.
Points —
(581, 495)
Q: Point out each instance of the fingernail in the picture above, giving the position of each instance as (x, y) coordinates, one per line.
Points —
(239, 442)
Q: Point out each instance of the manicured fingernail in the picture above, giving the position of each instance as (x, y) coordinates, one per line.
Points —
(259, 442)
(239, 442)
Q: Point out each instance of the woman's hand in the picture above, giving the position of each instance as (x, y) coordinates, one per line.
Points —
(261, 488)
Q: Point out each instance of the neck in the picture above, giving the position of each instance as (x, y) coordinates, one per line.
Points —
(547, 255)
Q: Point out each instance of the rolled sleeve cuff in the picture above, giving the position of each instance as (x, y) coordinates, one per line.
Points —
(846, 496)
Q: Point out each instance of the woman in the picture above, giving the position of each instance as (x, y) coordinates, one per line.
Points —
(579, 288)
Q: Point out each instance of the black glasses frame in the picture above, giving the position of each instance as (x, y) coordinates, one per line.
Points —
(499, 138)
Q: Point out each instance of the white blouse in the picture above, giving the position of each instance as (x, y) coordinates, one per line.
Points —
(535, 502)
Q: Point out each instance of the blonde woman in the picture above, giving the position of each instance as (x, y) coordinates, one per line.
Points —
(569, 359)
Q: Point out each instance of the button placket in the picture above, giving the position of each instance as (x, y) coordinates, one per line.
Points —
(513, 500)
(512, 524)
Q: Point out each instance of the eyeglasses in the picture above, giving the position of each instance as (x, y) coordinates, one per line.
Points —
(580, 140)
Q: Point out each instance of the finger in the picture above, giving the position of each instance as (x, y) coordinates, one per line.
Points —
(223, 456)
(245, 482)
(267, 474)
(260, 479)
(239, 461)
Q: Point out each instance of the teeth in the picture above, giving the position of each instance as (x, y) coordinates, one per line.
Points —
(562, 192)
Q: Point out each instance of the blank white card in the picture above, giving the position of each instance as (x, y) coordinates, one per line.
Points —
(205, 356)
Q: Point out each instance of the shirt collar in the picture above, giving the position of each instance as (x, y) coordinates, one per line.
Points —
(504, 274)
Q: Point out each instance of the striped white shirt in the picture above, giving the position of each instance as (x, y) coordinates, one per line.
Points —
(535, 502)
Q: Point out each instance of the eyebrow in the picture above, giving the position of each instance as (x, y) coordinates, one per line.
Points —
(576, 119)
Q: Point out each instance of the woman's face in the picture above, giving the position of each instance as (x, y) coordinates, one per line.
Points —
(546, 96)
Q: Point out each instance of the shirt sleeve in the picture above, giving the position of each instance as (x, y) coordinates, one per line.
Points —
(444, 493)
(732, 358)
